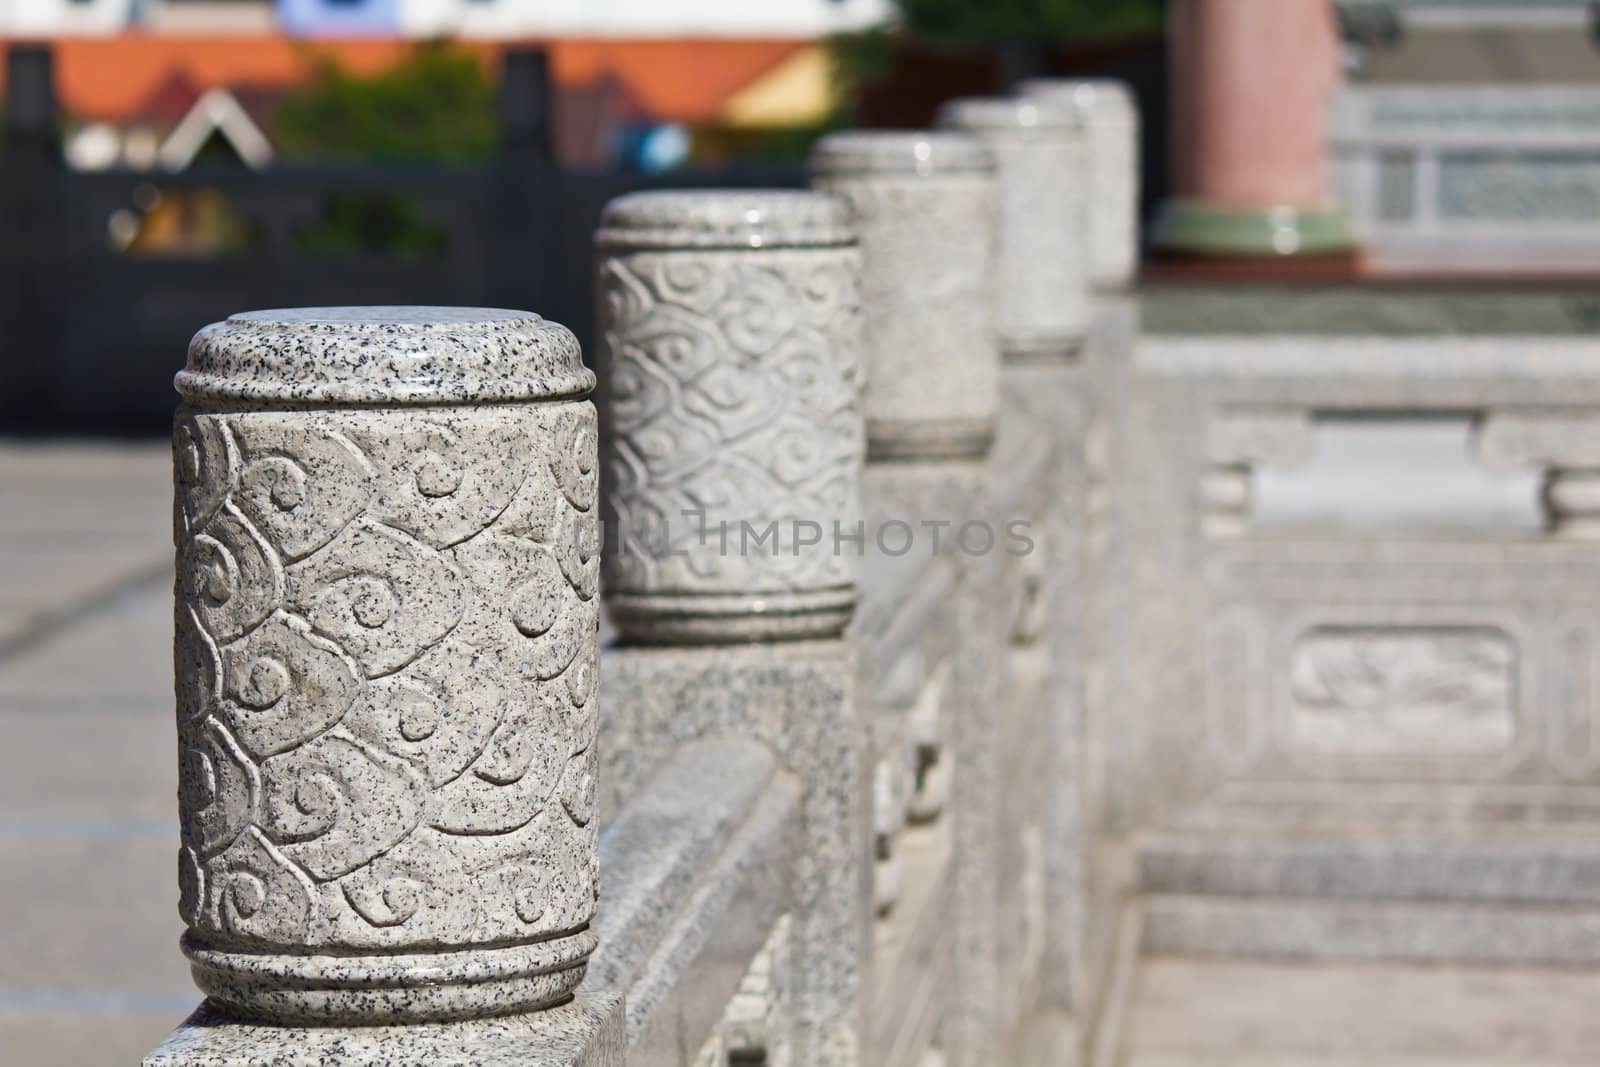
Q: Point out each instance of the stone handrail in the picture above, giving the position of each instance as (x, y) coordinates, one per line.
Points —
(825, 799)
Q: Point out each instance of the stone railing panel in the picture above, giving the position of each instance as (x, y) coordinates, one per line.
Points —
(1343, 666)
(1470, 177)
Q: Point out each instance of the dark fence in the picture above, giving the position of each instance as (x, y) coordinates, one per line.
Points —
(90, 334)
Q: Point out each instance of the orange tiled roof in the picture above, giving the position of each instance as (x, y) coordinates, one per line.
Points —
(678, 80)
(682, 80)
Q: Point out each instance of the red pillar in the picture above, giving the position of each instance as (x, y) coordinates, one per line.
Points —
(1251, 84)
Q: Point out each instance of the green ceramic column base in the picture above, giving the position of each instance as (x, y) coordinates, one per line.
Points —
(1196, 227)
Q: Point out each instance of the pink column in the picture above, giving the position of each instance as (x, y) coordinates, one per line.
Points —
(1251, 84)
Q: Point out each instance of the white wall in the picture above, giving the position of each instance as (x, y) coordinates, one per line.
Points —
(495, 18)
(50, 17)
(641, 18)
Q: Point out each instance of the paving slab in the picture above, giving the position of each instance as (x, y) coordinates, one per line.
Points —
(115, 658)
(70, 1039)
(77, 522)
(90, 971)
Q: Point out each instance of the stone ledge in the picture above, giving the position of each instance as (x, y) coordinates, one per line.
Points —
(697, 868)
(1255, 864)
(1275, 928)
(588, 1031)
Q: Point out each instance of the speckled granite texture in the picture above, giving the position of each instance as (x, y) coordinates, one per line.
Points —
(587, 1031)
(1042, 285)
(699, 871)
(386, 663)
(1112, 120)
(730, 355)
(797, 699)
(926, 205)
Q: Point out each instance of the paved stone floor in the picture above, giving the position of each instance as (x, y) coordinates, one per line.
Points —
(89, 968)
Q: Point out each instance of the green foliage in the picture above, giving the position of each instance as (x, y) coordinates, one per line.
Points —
(1048, 21)
(435, 106)
(859, 58)
(374, 224)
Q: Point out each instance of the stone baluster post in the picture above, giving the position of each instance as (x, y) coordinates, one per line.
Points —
(928, 205)
(925, 204)
(731, 357)
(1111, 170)
(730, 368)
(386, 613)
(1041, 287)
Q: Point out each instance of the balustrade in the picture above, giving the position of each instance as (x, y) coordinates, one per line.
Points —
(833, 787)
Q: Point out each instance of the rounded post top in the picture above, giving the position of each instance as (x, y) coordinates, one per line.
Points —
(384, 355)
(724, 218)
(1099, 95)
(917, 152)
(989, 113)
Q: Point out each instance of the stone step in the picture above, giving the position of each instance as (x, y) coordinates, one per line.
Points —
(1425, 931)
(1523, 871)
(1254, 1013)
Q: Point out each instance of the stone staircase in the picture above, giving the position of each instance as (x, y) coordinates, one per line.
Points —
(1335, 947)
(1490, 899)
(1186, 1012)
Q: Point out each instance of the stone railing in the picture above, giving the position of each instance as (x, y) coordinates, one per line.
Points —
(1479, 177)
(1361, 565)
(824, 798)
(1339, 653)
(964, 643)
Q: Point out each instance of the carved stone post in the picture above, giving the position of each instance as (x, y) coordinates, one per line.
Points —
(730, 353)
(731, 387)
(386, 659)
(1111, 121)
(1042, 283)
(925, 204)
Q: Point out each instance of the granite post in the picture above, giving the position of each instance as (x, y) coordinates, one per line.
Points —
(928, 206)
(1042, 299)
(1110, 179)
(386, 658)
(730, 350)
(731, 385)
(925, 205)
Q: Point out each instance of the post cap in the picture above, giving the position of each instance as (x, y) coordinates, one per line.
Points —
(724, 218)
(384, 355)
(918, 152)
(1008, 113)
(1102, 96)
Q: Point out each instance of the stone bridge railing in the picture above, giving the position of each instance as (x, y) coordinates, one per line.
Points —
(819, 799)
(961, 647)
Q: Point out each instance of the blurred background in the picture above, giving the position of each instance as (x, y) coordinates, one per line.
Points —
(171, 162)
(1396, 167)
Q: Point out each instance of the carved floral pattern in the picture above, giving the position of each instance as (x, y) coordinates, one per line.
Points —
(386, 674)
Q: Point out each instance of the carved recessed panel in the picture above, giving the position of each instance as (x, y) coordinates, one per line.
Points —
(1402, 691)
